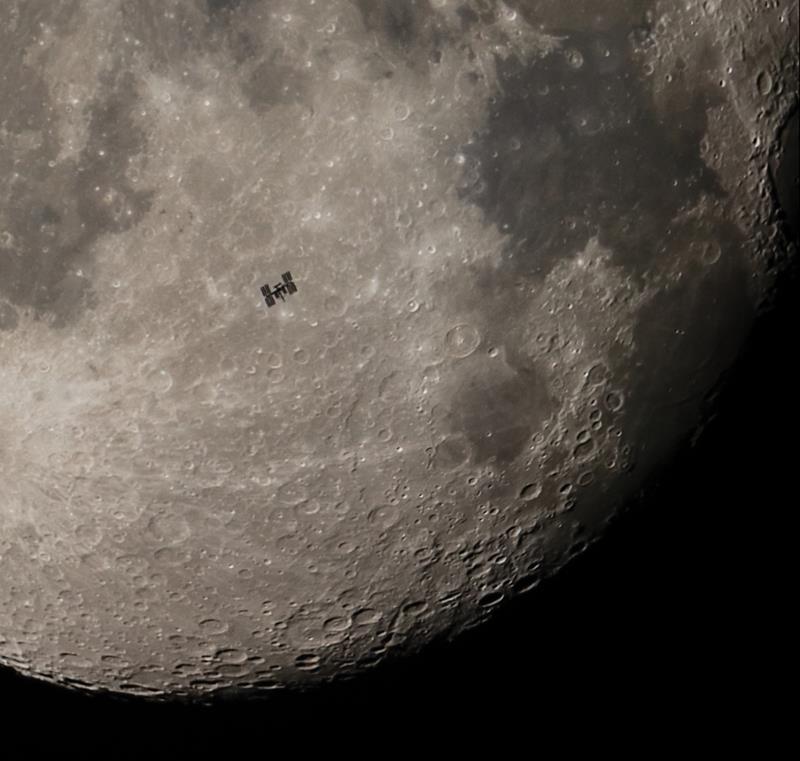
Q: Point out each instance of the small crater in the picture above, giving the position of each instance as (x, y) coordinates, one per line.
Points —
(461, 341)
(530, 492)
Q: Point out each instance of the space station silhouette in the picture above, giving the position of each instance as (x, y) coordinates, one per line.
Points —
(280, 290)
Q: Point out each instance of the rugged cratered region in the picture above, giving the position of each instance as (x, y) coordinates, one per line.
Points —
(529, 239)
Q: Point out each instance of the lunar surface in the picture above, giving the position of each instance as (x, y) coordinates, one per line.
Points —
(529, 238)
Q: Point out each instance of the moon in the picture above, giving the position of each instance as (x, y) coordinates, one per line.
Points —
(529, 239)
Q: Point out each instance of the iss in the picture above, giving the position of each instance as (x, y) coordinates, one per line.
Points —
(280, 290)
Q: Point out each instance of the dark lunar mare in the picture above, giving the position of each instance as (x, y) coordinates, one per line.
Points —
(56, 212)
